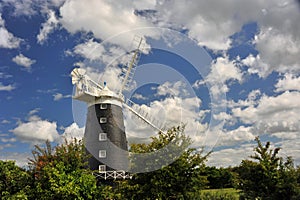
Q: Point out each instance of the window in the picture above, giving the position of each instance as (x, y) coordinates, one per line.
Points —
(103, 120)
(102, 136)
(102, 168)
(103, 106)
(102, 153)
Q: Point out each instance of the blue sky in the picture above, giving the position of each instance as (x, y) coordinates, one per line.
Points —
(231, 72)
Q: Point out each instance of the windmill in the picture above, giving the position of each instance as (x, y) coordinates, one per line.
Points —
(105, 138)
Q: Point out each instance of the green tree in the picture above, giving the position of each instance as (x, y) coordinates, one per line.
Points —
(220, 177)
(179, 180)
(62, 173)
(14, 181)
(269, 177)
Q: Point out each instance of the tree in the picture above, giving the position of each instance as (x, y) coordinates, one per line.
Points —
(178, 180)
(220, 177)
(14, 181)
(62, 173)
(269, 177)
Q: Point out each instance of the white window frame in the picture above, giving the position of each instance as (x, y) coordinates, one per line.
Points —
(102, 168)
(103, 106)
(102, 153)
(103, 120)
(102, 136)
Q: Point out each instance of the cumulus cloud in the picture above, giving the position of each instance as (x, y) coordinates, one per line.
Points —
(223, 73)
(173, 89)
(22, 7)
(20, 158)
(71, 132)
(144, 4)
(139, 96)
(288, 82)
(169, 112)
(7, 39)
(172, 110)
(6, 87)
(23, 61)
(278, 41)
(59, 96)
(35, 130)
(272, 114)
(230, 156)
(103, 18)
(236, 136)
(47, 27)
(211, 23)
(5, 140)
(93, 51)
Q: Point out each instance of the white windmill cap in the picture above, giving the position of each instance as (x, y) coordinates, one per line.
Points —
(106, 92)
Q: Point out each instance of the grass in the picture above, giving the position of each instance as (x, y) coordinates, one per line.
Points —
(219, 194)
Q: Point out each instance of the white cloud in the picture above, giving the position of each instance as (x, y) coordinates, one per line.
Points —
(36, 130)
(144, 4)
(23, 61)
(223, 72)
(289, 82)
(57, 3)
(212, 22)
(272, 114)
(22, 7)
(257, 66)
(236, 136)
(34, 111)
(6, 87)
(7, 39)
(93, 50)
(169, 112)
(230, 156)
(5, 121)
(71, 132)
(20, 158)
(250, 101)
(139, 96)
(59, 96)
(47, 27)
(105, 19)
(5, 140)
(174, 89)
(278, 41)
(225, 117)
(288, 148)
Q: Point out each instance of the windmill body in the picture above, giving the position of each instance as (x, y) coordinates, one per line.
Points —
(104, 137)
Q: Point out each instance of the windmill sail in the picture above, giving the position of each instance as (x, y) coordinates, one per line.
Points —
(86, 89)
(130, 66)
(145, 116)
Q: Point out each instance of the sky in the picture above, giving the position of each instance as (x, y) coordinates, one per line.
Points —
(229, 70)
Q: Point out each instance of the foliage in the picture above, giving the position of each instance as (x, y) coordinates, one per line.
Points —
(14, 181)
(62, 173)
(219, 194)
(220, 177)
(179, 180)
(269, 177)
